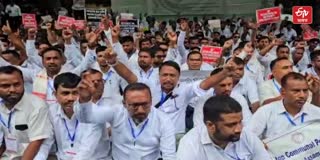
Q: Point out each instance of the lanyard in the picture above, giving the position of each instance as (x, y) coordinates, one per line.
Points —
(248, 68)
(277, 87)
(108, 76)
(132, 130)
(9, 120)
(148, 74)
(291, 121)
(162, 98)
(71, 138)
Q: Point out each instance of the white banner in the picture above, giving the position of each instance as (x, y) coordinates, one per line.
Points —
(302, 143)
(192, 76)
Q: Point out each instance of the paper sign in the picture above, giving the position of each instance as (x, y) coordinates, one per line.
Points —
(29, 20)
(79, 24)
(95, 15)
(126, 15)
(214, 24)
(193, 76)
(268, 15)
(211, 54)
(301, 143)
(64, 21)
(302, 14)
(308, 33)
(128, 26)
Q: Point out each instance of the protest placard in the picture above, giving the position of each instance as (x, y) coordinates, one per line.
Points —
(128, 26)
(64, 21)
(268, 15)
(192, 76)
(214, 24)
(94, 15)
(302, 14)
(29, 20)
(211, 54)
(79, 24)
(301, 143)
(308, 33)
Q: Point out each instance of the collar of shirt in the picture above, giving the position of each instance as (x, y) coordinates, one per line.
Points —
(62, 115)
(282, 109)
(18, 106)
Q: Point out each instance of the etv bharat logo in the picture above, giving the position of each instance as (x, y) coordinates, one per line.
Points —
(302, 14)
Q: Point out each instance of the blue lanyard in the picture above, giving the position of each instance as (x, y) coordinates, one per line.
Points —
(235, 158)
(9, 121)
(51, 85)
(71, 138)
(162, 98)
(248, 68)
(108, 76)
(132, 130)
(148, 74)
(277, 87)
(291, 121)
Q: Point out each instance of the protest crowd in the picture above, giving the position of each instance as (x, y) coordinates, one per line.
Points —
(123, 87)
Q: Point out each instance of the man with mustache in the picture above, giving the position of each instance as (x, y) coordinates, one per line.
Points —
(84, 140)
(223, 88)
(221, 135)
(24, 123)
(138, 130)
(293, 110)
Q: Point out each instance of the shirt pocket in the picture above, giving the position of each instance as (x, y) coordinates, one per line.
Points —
(22, 133)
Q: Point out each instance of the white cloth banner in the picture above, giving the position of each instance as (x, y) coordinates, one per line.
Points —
(301, 143)
(192, 76)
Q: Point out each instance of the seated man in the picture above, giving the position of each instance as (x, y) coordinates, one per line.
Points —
(221, 136)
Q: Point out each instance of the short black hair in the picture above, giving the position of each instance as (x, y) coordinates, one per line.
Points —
(148, 50)
(66, 80)
(91, 71)
(10, 70)
(274, 62)
(83, 41)
(144, 40)
(136, 87)
(282, 46)
(193, 38)
(126, 39)
(314, 55)
(217, 105)
(216, 71)
(14, 53)
(100, 49)
(170, 64)
(242, 44)
(193, 53)
(263, 37)
(52, 49)
(292, 76)
(236, 60)
(156, 49)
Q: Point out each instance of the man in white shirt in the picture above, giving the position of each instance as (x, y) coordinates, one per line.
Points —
(139, 131)
(74, 140)
(221, 135)
(315, 62)
(14, 13)
(222, 88)
(245, 85)
(24, 118)
(270, 90)
(281, 116)
(195, 62)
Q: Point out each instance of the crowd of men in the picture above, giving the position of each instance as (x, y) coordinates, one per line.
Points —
(96, 94)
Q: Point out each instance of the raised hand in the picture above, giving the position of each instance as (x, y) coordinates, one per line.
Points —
(172, 36)
(92, 38)
(32, 33)
(110, 56)
(86, 89)
(7, 29)
(228, 44)
(314, 83)
(230, 67)
(67, 34)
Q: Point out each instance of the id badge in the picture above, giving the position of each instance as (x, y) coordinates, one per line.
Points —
(70, 153)
(11, 143)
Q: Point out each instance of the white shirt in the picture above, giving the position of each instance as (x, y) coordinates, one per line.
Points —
(13, 11)
(198, 111)
(31, 115)
(204, 67)
(311, 71)
(112, 85)
(254, 70)
(270, 120)
(157, 132)
(197, 145)
(175, 107)
(248, 88)
(89, 141)
(269, 89)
